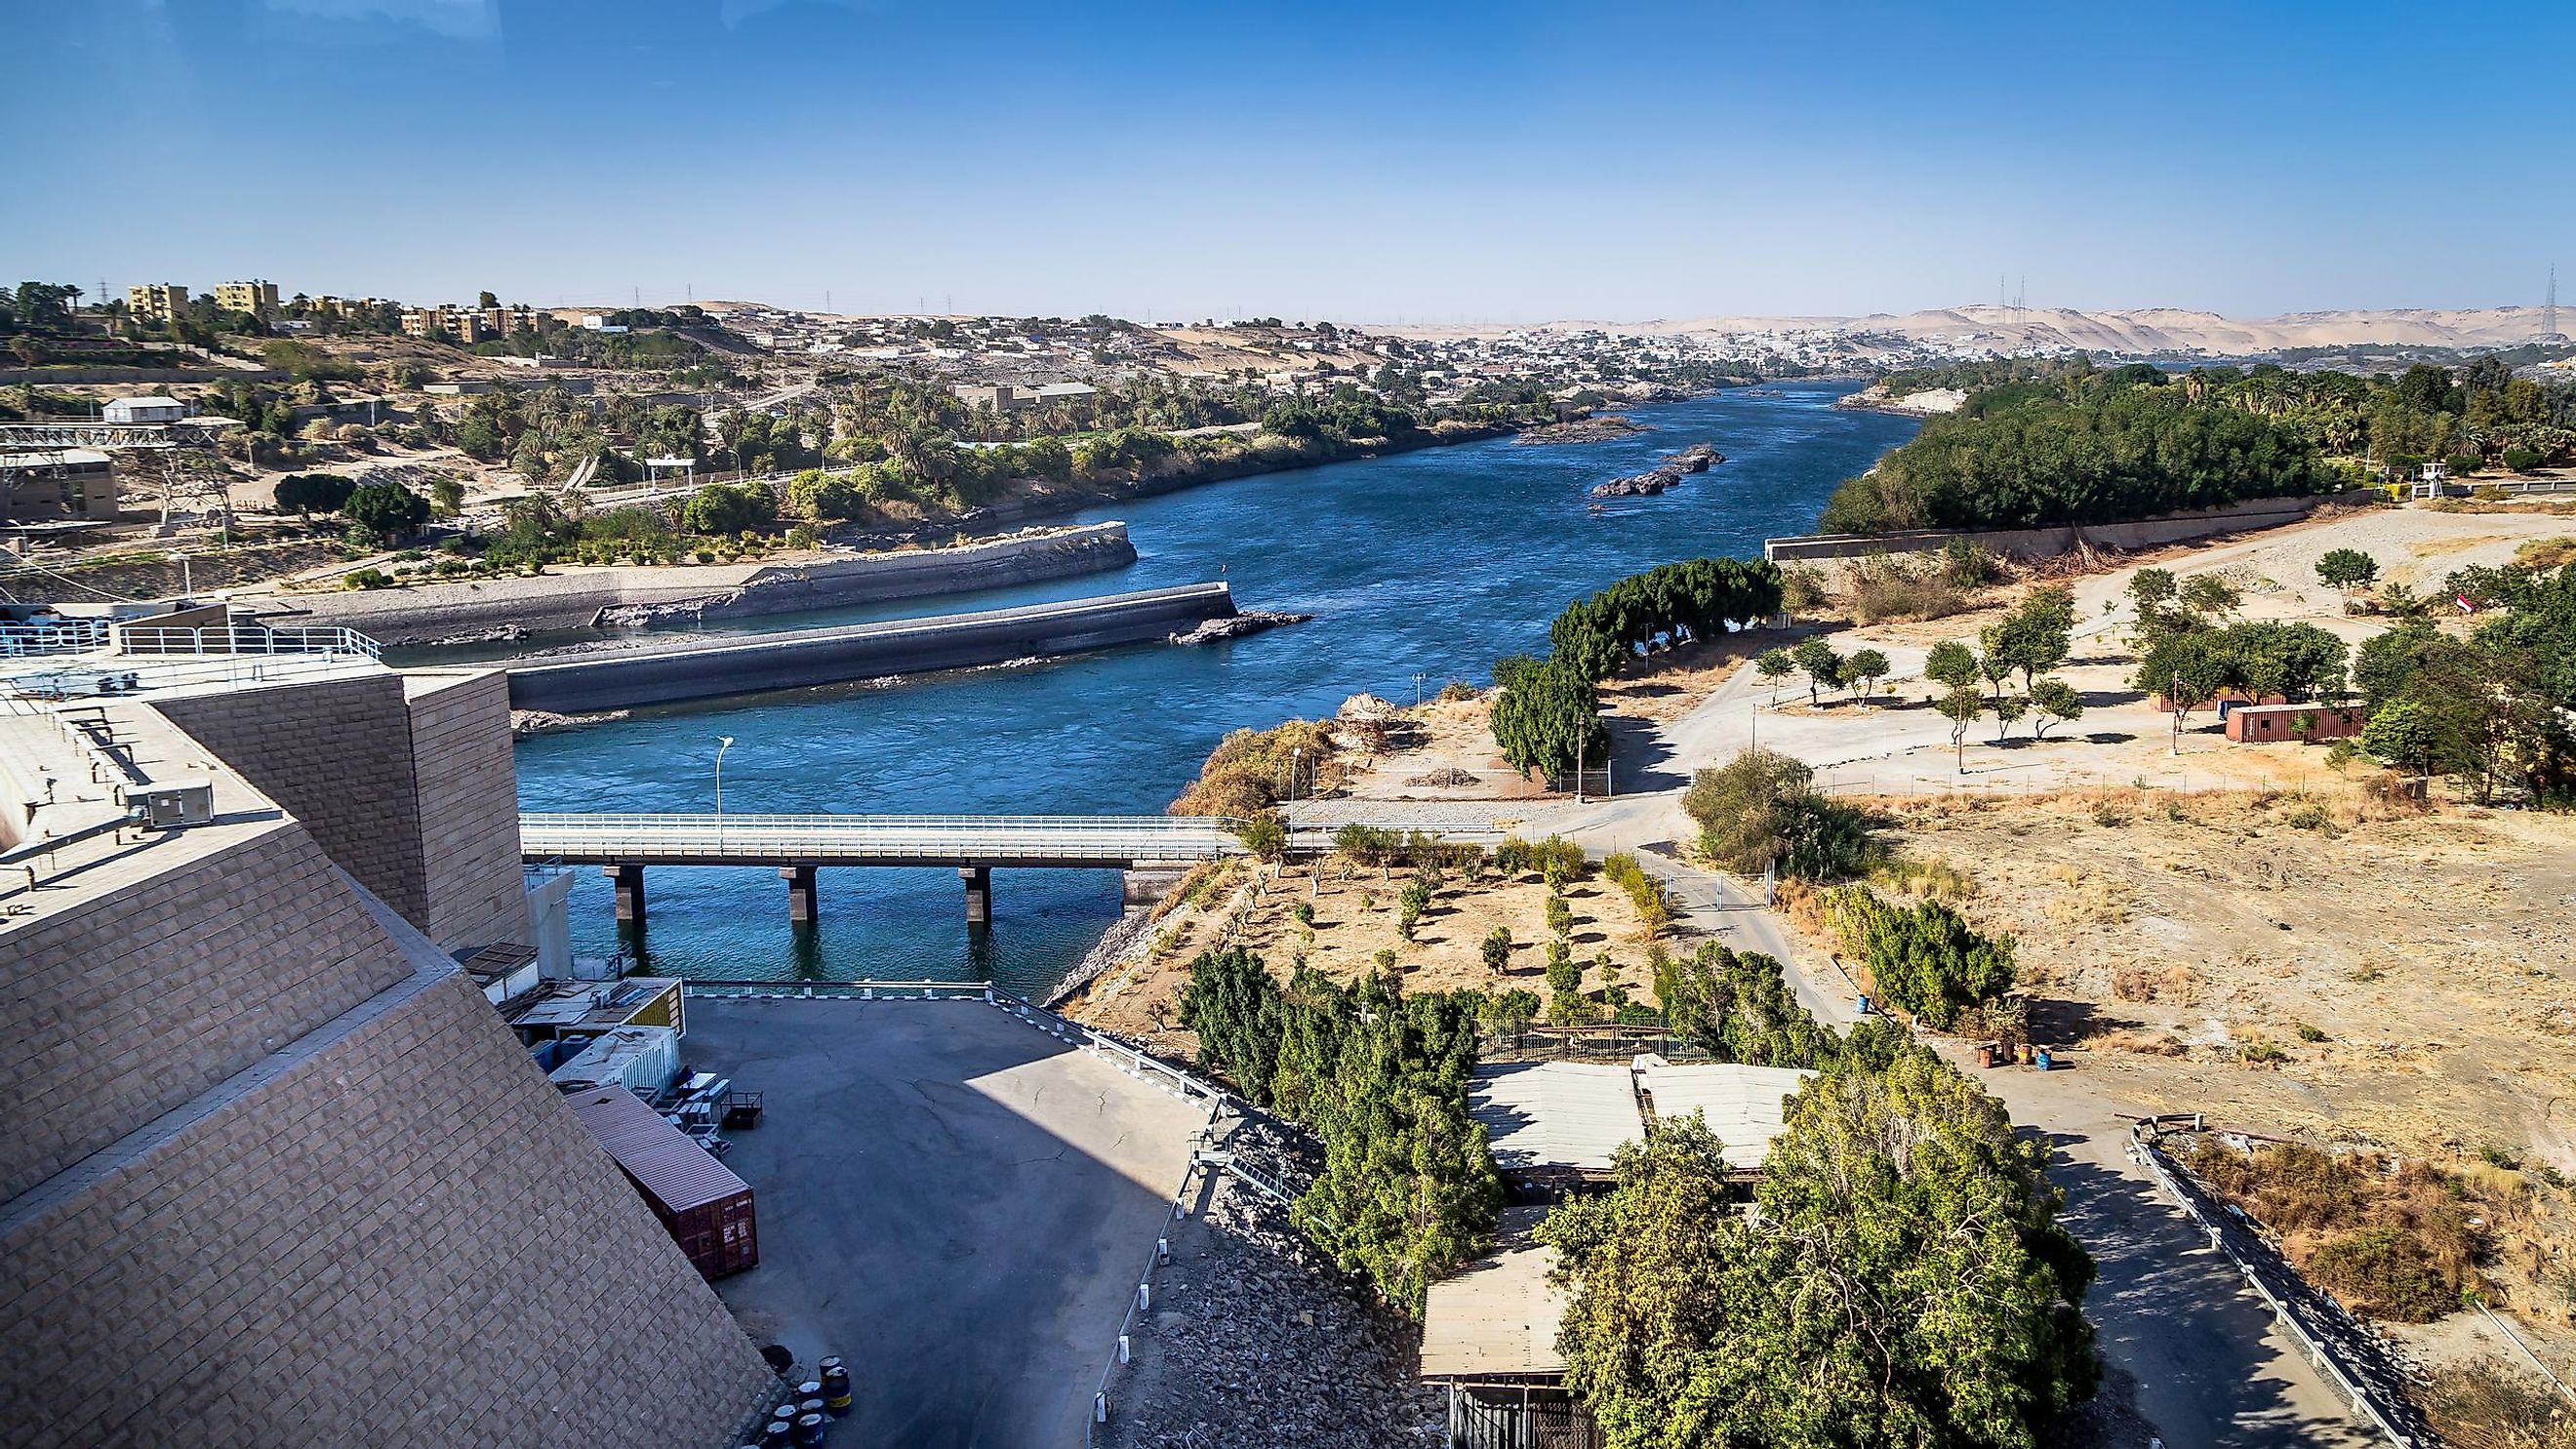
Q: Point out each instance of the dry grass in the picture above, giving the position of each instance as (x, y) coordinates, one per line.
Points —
(2494, 1405)
(2394, 1240)
(2546, 553)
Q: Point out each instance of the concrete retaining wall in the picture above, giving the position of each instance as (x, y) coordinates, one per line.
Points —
(2030, 543)
(626, 678)
(426, 613)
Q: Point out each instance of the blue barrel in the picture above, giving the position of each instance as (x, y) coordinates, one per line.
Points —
(2040, 1059)
(1860, 1005)
(836, 1388)
(809, 1430)
(780, 1433)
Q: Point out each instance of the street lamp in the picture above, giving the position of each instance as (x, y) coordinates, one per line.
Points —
(723, 743)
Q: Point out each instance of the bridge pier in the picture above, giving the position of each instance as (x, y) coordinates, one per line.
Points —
(1145, 882)
(629, 876)
(979, 893)
(800, 893)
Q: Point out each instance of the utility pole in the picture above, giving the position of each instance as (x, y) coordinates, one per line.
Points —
(2175, 699)
(1417, 691)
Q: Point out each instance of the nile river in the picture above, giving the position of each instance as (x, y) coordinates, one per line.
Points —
(1433, 563)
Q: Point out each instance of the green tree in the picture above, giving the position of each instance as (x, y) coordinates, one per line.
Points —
(2009, 708)
(1962, 706)
(386, 510)
(305, 494)
(1762, 808)
(2344, 569)
(1562, 974)
(1265, 835)
(1865, 668)
(1822, 665)
(1902, 1281)
(2037, 636)
(1774, 665)
(2407, 735)
(1408, 1191)
(1925, 958)
(1547, 718)
(2209, 597)
(1497, 950)
(446, 497)
(1954, 664)
(2053, 701)
(729, 508)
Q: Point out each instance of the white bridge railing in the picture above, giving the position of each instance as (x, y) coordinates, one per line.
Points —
(824, 839)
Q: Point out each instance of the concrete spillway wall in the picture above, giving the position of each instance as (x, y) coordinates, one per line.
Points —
(548, 603)
(622, 679)
(2034, 543)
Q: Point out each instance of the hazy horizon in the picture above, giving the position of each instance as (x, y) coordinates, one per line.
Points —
(1445, 165)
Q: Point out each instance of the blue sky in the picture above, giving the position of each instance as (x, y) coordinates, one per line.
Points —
(1486, 161)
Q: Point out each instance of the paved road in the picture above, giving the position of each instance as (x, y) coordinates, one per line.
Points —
(2212, 1365)
(955, 1202)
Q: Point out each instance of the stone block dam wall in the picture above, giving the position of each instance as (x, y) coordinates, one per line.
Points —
(624, 678)
(561, 602)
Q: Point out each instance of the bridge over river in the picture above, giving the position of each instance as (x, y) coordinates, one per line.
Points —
(1152, 849)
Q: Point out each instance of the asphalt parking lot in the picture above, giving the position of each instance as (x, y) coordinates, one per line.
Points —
(953, 1201)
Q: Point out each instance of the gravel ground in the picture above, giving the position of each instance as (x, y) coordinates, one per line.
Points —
(1256, 1339)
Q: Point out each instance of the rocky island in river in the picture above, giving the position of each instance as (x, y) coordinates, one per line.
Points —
(1697, 458)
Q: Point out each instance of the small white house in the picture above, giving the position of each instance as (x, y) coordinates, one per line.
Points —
(144, 410)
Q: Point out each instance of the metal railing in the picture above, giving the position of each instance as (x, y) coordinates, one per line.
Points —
(67, 636)
(244, 639)
(826, 839)
(2344, 1378)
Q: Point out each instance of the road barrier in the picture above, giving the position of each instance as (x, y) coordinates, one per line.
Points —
(2345, 1377)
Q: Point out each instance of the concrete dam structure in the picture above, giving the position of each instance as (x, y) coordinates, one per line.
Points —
(625, 678)
(562, 601)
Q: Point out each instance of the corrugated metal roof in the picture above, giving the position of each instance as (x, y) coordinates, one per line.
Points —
(1555, 1114)
(1741, 1104)
(1499, 1314)
(676, 1171)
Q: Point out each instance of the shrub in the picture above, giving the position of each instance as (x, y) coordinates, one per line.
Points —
(1924, 958)
(1497, 950)
(1654, 905)
(367, 578)
(1760, 808)
(2385, 1273)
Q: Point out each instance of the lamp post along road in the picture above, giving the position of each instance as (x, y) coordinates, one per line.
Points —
(723, 743)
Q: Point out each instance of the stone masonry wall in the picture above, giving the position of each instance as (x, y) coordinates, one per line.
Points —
(401, 1237)
(337, 756)
(469, 808)
(150, 994)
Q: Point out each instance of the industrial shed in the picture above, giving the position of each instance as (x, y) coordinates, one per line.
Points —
(1742, 1105)
(1555, 1119)
(707, 1209)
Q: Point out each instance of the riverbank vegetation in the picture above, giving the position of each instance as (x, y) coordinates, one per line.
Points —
(1902, 1280)
(2045, 442)
(1548, 717)
(1408, 1193)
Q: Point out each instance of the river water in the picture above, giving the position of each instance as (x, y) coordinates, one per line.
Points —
(1433, 562)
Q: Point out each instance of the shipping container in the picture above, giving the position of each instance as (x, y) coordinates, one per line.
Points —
(706, 1209)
